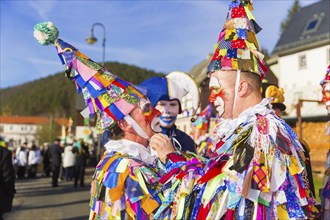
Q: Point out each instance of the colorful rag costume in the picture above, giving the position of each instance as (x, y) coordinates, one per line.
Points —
(203, 139)
(325, 84)
(125, 181)
(257, 170)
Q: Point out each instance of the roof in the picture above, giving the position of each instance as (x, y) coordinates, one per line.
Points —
(31, 120)
(199, 71)
(310, 26)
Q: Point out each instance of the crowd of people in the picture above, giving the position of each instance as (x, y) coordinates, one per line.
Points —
(253, 166)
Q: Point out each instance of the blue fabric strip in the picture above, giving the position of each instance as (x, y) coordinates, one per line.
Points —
(116, 112)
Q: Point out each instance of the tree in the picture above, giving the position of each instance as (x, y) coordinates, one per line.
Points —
(294, 9)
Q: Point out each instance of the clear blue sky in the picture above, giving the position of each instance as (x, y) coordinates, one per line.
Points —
(158, 35)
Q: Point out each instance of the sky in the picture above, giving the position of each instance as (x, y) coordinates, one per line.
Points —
(163, 36)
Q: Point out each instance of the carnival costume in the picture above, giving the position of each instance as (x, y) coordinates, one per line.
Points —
(325, 84)
(204, 140)
(174, 86)
(124, 182)
(258, 168)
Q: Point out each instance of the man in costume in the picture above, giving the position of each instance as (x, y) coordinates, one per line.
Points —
(325, 196)
(165, 94)
(257, 170)
(125, 181)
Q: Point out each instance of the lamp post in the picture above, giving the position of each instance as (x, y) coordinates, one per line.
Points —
(92, 39)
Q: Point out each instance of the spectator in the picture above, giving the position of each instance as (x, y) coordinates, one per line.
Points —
(82, 154)
(45, 159)
(69, 160)
(21, 160)
(55, 152)
(7, 179)
(34, 160)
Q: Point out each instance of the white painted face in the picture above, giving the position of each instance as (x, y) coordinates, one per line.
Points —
(169, 111)
(222, 92)
(215, 95)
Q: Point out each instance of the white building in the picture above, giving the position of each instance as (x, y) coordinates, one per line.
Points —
(301, 56)
(19, 129)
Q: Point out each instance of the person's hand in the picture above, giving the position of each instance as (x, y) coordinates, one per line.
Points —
(162, 145)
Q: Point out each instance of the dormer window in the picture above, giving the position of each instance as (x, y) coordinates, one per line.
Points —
(312, 24)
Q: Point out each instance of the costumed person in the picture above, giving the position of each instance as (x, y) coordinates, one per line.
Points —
(165, 94)
(7, 179)
(325, 196)
(200, 131)
(257, 172)
(125, 181)
(275, 95)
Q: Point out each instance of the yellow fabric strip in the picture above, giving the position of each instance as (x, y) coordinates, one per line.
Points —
(248, 13)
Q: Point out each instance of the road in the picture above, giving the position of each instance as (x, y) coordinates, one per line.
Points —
(37, 199)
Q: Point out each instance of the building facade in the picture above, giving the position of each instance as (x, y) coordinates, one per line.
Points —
(301, 56)
(20, 129)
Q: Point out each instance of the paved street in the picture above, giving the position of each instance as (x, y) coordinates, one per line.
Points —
(37, 199)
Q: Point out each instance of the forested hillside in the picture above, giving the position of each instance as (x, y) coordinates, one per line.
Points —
(55, 95)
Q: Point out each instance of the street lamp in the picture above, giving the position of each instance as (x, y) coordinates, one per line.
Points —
(92, 39)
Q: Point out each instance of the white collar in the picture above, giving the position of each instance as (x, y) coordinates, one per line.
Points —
(131, 148)
(227, 125)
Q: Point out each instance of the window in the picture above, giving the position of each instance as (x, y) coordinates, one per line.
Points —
(302, 62)
(312, 24)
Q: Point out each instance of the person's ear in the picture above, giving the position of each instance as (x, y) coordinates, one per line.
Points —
(243, 88)
(123, 125)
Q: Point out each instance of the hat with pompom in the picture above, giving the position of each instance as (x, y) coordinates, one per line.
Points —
(105, 94)
(325, 83)
(237, 47)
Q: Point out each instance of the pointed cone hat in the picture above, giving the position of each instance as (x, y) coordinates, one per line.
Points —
(237, 47)
(105, 94)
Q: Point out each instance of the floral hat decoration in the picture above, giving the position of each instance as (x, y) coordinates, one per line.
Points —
(325, 84)
(276, 93)
(237, 47)
(105, 94)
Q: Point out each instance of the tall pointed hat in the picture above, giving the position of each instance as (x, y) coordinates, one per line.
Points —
(105, 94)
(237, 47)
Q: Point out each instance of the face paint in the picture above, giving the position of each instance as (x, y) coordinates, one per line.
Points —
(220, 105)
(169, 110)
(216, 95)
(155, 124)
(168, 119)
